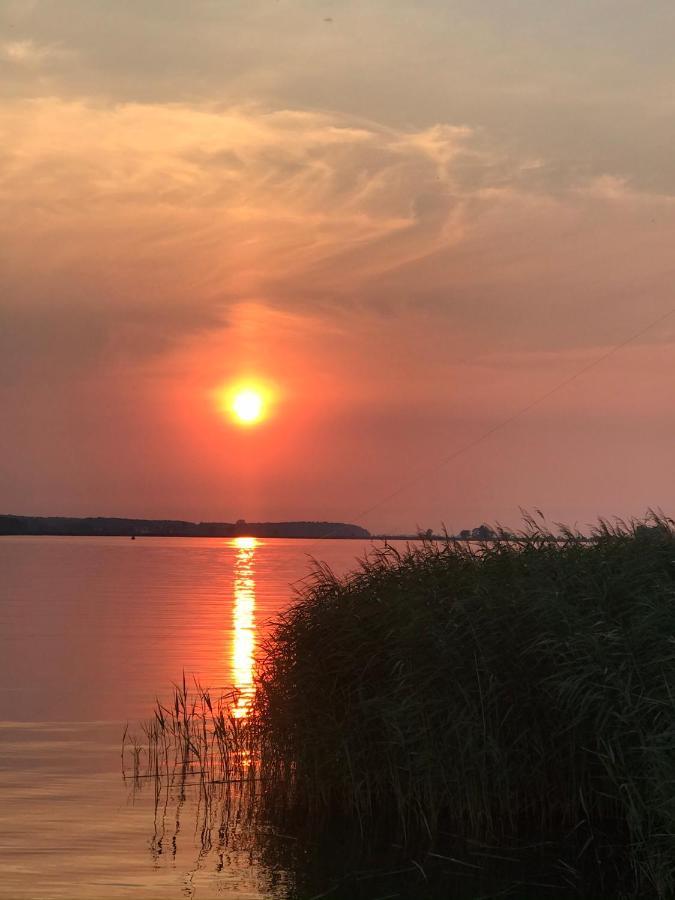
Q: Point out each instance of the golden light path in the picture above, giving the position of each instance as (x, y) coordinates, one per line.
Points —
(243, 641)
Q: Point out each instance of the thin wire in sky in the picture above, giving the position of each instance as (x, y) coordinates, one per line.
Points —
(439, 464)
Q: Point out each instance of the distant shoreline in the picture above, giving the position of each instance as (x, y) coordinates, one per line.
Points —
(112, 526)
(102, 526)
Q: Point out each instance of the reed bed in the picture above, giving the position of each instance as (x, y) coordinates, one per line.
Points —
(520, 690)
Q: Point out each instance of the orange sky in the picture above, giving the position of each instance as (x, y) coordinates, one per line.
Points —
(413, 221)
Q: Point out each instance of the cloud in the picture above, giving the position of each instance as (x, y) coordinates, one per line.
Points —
(588, 85)
(133, 227)
(159, 208)
(23, 52)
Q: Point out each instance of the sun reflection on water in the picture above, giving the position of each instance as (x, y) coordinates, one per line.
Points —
(243, 641)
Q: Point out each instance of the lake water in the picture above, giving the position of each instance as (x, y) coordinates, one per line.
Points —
(92, 630)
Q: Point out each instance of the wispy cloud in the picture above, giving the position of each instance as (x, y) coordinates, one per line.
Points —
(157, 219)
(30, 54)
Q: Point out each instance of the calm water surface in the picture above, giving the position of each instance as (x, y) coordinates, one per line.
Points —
(91, 631)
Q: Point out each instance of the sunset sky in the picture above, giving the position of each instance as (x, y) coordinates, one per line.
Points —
(407, 221)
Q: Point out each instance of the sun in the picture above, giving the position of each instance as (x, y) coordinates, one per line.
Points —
(248, 406)
(245, 403)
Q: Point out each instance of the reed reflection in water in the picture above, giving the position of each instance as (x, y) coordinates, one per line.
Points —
(118, 623)
(243, 614)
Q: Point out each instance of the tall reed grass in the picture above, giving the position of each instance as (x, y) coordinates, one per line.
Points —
(513, 691)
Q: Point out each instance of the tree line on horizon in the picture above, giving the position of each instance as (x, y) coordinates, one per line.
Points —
(102, 526)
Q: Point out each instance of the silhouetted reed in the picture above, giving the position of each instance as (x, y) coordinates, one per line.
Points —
(517, 690)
